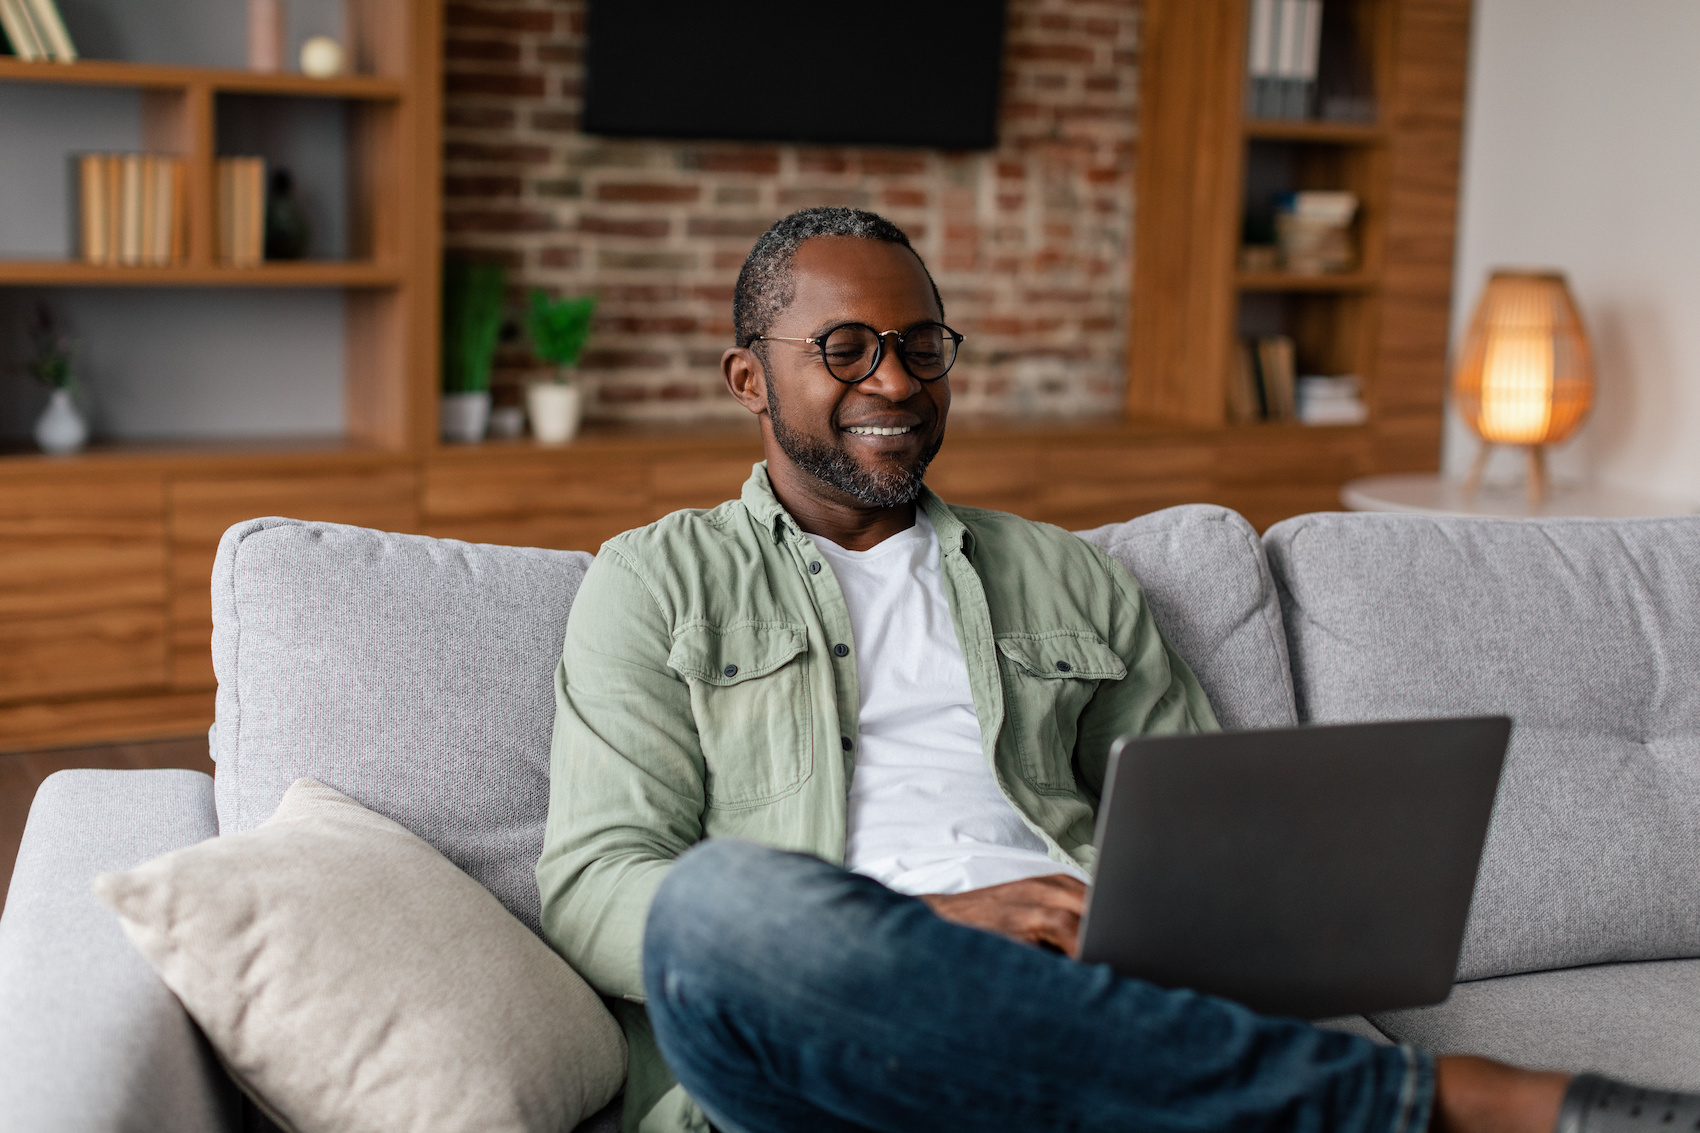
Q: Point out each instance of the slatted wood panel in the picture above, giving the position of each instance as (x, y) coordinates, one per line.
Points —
(201, 510)
(82, 587)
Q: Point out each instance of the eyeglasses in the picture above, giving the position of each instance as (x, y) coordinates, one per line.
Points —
(852, 351)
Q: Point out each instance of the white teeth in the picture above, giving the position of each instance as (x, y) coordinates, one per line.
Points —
(870, 431)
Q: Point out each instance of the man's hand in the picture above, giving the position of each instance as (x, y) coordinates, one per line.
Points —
(1037, 910)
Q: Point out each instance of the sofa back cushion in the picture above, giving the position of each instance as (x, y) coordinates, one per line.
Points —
(1585, 633)
(414, 675)
(1204, 573)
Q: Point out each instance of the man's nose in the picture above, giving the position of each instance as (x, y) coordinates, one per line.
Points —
(889, 379)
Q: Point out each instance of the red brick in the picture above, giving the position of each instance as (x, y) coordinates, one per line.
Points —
(477, 151)
(763, 161)
(881, 164)
(621, 394)
(497, 220)
(822, 161)
(560, 53)
(636, 324)
(744, 228)
(905, 198)
(678, 391)
(499, 19)
(652, 229)
(623, 359)
(1011, 170)
(555, 121)
(648, 192)
(729, 260)
(490, 50)
(479, 82)
(481, 186)
(479, 117)
(1050, 52)
(558, 257)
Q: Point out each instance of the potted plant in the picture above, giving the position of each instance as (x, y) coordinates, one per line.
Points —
(559, 328)
(60, 428)
(473, 292)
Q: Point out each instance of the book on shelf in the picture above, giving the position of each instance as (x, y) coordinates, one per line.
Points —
(1283, 46)
(35, 31)
(1330, 400)
(241, 210)
(132, 209)
(1261, 387)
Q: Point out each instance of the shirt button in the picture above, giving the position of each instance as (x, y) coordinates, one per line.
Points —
(731, 670)
(841, 649)
(814, 568)
(845, 740)
(1062, 667)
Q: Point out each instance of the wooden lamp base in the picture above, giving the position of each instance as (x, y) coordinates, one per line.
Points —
(1535, 479)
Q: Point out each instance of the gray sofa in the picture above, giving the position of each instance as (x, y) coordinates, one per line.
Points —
(415, 675)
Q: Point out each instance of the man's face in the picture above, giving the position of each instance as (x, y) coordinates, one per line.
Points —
(841, 434)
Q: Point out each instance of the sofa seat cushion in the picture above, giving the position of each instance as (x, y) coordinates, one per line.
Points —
(1204, 573)
(1638, 1022)
(413, 674)
(1583, 632)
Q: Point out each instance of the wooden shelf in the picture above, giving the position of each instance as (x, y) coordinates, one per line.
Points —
(304, 273)
(1287, 281)
(148, 76)
(1315, 130)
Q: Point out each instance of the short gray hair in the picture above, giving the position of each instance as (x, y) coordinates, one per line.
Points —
(766, 285)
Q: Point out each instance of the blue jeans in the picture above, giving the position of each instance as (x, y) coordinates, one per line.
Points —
(790, 996)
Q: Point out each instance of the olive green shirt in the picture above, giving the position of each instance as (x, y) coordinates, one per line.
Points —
(699, 696)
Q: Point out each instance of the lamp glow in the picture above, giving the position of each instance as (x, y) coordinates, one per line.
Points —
(1525, 375)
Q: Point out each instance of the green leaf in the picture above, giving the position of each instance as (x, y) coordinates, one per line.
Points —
(559, 327)
(473, 293)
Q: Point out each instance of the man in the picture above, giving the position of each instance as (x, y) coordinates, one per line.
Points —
(914, 699)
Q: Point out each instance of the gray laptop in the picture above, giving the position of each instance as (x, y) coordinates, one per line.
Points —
(1310, 872)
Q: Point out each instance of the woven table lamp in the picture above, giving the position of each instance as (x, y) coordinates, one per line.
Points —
(1525, 376)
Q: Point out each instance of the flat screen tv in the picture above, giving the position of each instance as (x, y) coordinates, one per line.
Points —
(874, 72)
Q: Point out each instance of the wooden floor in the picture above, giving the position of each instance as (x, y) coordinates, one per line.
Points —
(22, 772)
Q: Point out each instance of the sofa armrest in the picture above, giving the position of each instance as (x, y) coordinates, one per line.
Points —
(90, 1039)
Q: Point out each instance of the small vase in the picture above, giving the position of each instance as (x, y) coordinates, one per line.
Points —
(60, 429)
(464, 416)
(554, 410)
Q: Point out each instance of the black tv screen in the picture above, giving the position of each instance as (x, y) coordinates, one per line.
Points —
(875, 72)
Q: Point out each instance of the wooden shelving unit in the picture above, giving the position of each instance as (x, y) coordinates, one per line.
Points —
(1385, 321)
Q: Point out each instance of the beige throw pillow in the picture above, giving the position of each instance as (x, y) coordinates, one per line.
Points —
(351, 978)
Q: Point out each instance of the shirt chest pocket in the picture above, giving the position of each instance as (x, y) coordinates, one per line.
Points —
(1048, 678)
(750, 696)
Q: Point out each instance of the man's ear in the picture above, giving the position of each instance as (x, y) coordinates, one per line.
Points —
(746, 378)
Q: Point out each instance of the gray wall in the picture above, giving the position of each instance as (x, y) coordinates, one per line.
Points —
(186, 363)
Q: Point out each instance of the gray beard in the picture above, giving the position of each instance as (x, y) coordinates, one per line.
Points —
(831, 464)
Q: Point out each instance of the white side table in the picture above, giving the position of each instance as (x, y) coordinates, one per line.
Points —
(1431, 494)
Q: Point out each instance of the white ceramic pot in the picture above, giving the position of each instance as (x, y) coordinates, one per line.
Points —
(464, 416)
(555, 410)
(60, 428)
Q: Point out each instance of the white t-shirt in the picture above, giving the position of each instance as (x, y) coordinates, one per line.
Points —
(926, 815)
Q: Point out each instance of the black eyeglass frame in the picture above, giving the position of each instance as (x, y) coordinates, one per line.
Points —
(819, 343)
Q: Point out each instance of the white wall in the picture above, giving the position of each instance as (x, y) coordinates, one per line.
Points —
(1582, 152)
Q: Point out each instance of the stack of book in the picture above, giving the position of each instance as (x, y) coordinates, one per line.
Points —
(241, 210)
(35, 31)
(1282, 51)
(1330, 400)
(133, 209)
(1262, 387)
(1313, 231)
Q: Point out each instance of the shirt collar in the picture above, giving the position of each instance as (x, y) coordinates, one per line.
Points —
(758, 499)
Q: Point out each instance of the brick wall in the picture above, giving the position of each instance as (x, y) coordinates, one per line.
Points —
(1030, 243)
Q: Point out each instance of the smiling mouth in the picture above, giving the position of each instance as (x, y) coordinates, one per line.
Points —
(875, 431)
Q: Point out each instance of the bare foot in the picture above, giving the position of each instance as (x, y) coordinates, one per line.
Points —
(1478, 1095)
